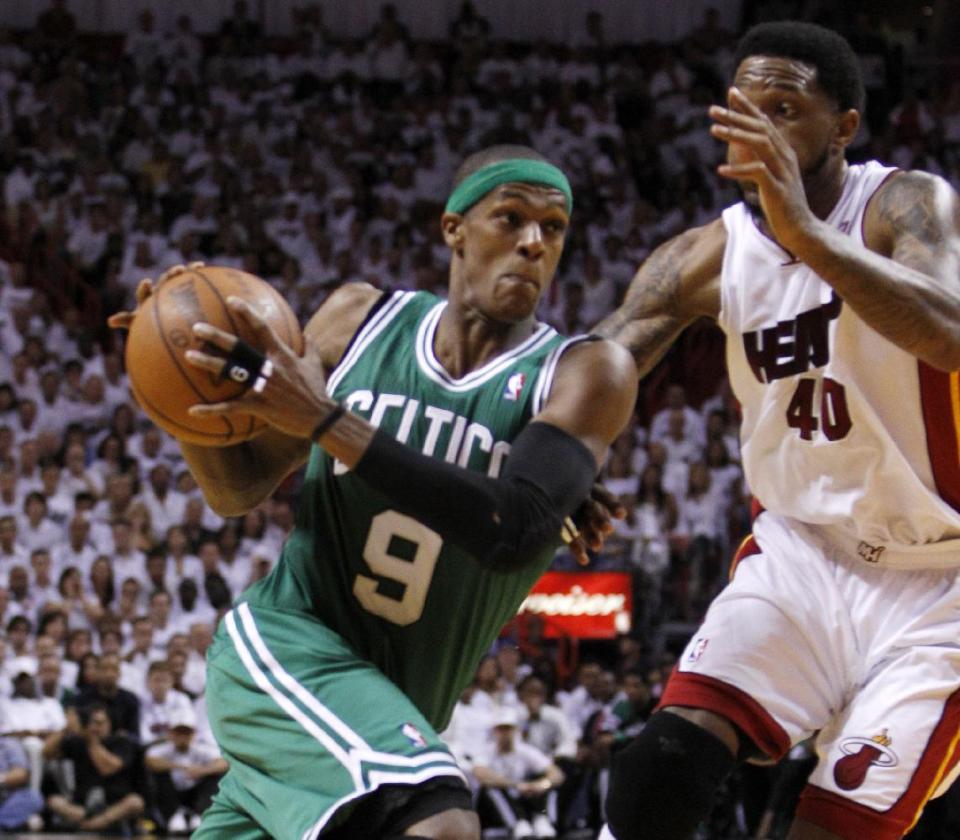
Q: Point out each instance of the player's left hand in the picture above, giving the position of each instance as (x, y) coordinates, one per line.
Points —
(763, 156)
(293, 396)
(593, 523)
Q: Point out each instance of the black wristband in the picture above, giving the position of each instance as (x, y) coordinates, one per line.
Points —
(327, 423)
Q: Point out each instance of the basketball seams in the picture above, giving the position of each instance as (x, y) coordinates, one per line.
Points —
(251, 420)
(149, 406)
(290, 321)
(184, 373)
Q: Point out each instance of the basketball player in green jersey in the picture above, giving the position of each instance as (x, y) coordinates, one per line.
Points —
(417, 538)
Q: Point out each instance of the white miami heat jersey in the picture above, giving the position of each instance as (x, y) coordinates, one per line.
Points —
(840, 427)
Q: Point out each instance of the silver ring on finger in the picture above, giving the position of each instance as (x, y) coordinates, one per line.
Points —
(261, 382)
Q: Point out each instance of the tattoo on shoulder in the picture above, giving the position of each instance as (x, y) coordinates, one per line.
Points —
(907, 204)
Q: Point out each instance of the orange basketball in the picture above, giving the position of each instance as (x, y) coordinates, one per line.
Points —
(164, 383)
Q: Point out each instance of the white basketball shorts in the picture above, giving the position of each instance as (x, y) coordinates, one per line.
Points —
(810, 638)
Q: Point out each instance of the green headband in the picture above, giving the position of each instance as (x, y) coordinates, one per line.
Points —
(516, 170)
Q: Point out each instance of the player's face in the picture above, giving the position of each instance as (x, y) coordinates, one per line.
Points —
(786, 91)
(509, 244)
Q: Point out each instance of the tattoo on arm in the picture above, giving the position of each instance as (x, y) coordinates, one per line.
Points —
(648, 320)
(906, 283)
(911, 208)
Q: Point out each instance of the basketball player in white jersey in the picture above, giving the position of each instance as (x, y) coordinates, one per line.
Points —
(838, 287)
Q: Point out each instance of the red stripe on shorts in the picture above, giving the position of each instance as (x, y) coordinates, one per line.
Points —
(939, 398)
(850, 819)
(699, 691)
(846, 818)
(938, 759)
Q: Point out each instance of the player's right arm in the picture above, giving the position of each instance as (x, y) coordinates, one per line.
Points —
(235, 479)
(678, 283)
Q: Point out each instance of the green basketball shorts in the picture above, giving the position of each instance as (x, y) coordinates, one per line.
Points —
(307, 726)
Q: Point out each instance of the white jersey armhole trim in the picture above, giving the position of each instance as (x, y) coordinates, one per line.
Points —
(367, 334)
(541, 392)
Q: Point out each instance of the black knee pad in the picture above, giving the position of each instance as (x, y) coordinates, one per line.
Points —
(662, 785)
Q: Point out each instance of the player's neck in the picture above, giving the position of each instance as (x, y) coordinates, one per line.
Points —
(467, 340)
(825, 187)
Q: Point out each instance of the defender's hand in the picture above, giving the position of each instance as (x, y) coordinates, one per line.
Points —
(762, 155)
(123, 320)
(292, 396)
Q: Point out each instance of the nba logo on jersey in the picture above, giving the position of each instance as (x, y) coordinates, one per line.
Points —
(698, 650)
(414, 735)
(514, 386)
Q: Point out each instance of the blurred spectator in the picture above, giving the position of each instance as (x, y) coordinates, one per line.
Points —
(469, 30)
(683, 443)
(160, 703)
(103, 795)
(187, 772)
(30, 718)
(12, 551)
(77, 551)
(542, 724)
(517, 781)
(20, 805)
(136, 660)
(241, 30)
(676, 401)
(121, 705)
(50, 685)
(35, 529)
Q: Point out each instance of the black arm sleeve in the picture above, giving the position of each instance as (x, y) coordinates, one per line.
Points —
(500, 521)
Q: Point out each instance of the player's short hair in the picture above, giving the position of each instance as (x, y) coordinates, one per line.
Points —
(837, 66)
(494, 154)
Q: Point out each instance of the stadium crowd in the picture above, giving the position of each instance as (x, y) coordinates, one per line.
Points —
(312, 161)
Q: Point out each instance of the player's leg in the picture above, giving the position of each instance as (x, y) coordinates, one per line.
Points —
(758, 677)
(455, 824)
(896, 744)
(663, 784)
(314, 735)
(439, 809)
(224, 819)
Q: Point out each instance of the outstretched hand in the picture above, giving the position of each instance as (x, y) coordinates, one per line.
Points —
(292, 397)
(763, 156)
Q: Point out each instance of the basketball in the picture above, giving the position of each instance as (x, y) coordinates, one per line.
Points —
(165, 384)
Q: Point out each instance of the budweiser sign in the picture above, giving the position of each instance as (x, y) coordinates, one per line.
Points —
(585, 605)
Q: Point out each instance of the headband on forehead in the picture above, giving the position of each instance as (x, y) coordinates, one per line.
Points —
(516, 170)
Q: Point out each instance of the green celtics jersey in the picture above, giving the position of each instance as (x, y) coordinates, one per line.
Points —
(419, 608)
